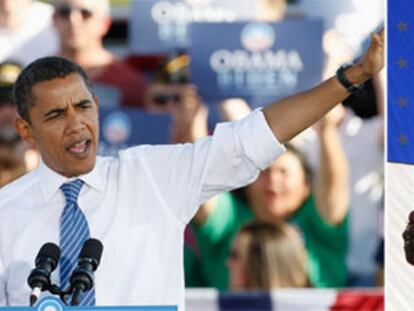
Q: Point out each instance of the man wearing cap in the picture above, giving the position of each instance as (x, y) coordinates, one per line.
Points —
(15, 158)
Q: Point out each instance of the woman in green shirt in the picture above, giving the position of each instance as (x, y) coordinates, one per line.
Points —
(283, 192)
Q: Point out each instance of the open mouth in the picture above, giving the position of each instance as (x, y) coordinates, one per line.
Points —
(271, 195)
(79, 148)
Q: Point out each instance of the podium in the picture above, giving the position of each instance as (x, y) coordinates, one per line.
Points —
(51, 303)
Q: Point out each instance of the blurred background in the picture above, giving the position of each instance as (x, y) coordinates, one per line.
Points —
(169, 71)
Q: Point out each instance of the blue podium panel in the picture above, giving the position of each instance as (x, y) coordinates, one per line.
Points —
(258, 301)
(157, 27)
(255, 61)
(400, 114)
(51, 303)
(123, 128)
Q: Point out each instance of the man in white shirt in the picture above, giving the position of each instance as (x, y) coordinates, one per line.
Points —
(138, 203)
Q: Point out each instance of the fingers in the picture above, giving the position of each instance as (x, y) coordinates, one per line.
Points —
(376, 41)
(381, 34)
(379, 40)
(378, 36)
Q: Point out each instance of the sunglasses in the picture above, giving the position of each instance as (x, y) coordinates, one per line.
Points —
(163, 99)
(66, 11)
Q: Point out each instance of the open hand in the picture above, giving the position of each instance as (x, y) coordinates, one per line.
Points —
(373, 60)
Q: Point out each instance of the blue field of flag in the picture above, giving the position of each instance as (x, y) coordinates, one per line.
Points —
(401, 82)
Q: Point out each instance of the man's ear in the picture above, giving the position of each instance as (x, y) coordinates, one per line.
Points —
(25, 131)
(106, 25)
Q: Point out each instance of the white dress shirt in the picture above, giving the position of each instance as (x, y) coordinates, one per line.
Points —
(138, 205)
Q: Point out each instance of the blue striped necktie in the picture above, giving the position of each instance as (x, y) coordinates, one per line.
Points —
(74, 231)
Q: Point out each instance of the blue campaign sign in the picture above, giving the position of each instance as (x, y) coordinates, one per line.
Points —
(109, 96)
(161, 26)
(255, 61)
(123, 128)
(51, 303)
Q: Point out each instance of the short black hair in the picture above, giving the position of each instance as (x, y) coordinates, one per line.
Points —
(43, 69)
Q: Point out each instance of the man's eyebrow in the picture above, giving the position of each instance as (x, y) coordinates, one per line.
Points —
(54, 111)
(59, 110)
(83, 102)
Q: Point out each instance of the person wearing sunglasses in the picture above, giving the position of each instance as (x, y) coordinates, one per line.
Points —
(81, 26)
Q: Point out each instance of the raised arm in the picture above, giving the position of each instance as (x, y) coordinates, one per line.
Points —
(291, 115)
(331, 189)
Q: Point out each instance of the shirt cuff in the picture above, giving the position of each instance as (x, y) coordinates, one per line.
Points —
(257, 140)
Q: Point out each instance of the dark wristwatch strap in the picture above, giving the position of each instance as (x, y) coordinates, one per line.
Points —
(340, 74)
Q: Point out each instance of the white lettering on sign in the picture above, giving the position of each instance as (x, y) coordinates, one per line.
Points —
(165, 12)
(241, 60)
(264, 73)
(262, 83)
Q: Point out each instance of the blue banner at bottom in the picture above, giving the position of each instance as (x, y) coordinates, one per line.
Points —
(54, 304)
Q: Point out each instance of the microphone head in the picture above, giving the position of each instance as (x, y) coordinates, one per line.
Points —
(92, 248)
(51, 252)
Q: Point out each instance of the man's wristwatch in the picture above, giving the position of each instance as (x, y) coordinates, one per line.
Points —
(340, 74)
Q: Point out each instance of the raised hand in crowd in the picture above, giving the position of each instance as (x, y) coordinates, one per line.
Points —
(331, 189)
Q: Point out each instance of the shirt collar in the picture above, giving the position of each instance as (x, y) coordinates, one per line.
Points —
(50, 181)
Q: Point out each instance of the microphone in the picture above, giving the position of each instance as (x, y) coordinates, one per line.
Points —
(45, 262)
(82, 278)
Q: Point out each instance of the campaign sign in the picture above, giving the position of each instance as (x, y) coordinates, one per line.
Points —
(157, 27)
(109, 96)
(123, 128)
(255, 60)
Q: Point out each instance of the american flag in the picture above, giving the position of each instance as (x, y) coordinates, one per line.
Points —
(309, 299)
(400, 141)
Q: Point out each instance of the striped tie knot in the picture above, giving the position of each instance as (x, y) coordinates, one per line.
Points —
(71, 190)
